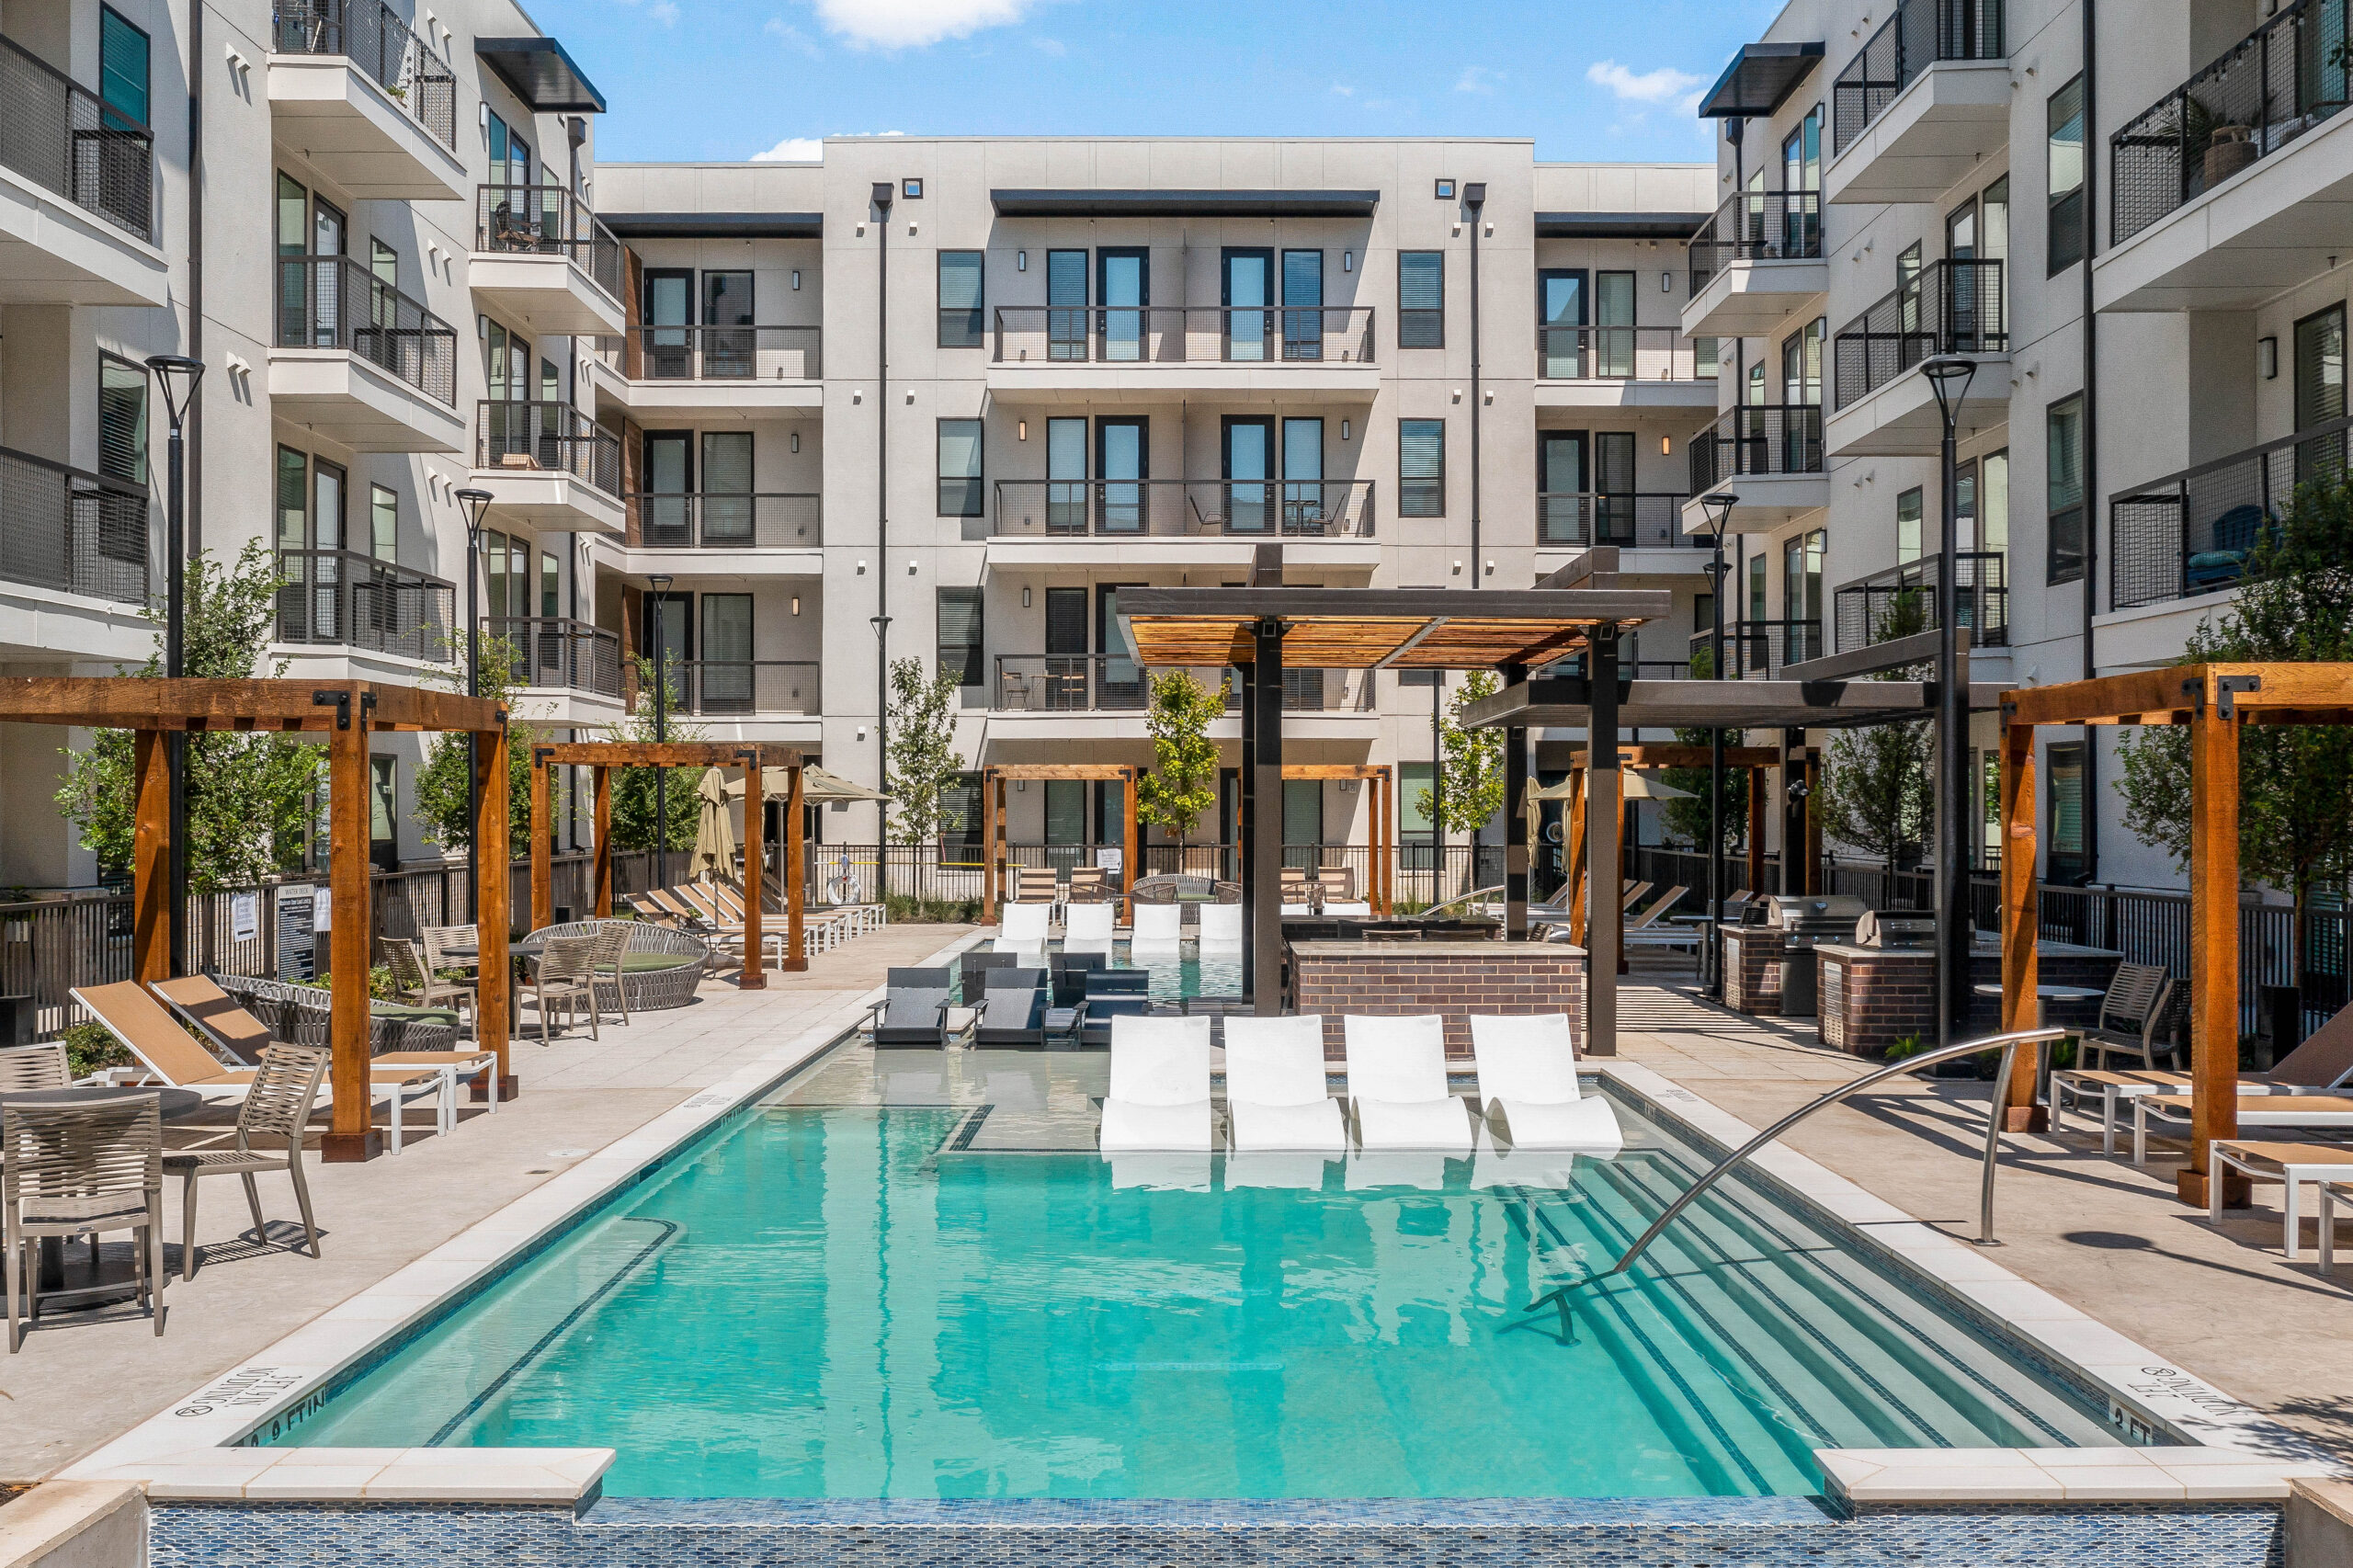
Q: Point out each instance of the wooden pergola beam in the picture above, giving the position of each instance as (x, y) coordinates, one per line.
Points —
(120, 702)
(996, 880)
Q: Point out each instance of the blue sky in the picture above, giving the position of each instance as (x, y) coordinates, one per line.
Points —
(1605, 79)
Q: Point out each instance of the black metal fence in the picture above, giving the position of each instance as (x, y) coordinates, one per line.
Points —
(1114, 509)
(2266, 91)
(717, 688)
(380, 43)
(1919, 34)
(553, 651)
(520, 435)
(1763, 648)
(1644, 520)
(547, 219)
(707, 520)
(1183, 335)
(342, 596)
(725, 353)
(1619, 354)
(333, 302)
(1950, 307)
(66, 528)
(1903, 599)
(58, 134)
(1757, 437)
(1757, 225)
(2193, 532)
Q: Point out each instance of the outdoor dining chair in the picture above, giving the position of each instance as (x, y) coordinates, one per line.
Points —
(566, 977)
(605, 968)
(79, 1170)
(419, 983)
(285, 1087)
(42, 1067)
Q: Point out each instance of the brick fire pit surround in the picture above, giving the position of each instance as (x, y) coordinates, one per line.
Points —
(1456, 979)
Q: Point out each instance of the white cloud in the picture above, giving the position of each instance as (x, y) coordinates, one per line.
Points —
(1052, 46)
(1341, 89)
(793, 150)
(1664, 85)
(663, 12)
(1477, 79)
(777, 27)
(901, 24)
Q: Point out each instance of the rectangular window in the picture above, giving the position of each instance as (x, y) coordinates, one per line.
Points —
(1302, 810)
(122, 420)
(1421, 298)
(2320, 392)
(959, 613)
(123, 65)
(960, 816)
(2064, 485)
(960, 469)
(2066, 862)
(960, 299)
(1802, 153)
(1993, 504)
(1757, 588)
(294, 499)
(1703, 357)
(493, 570)
(1303, 304)
(384, 524)
(1907, 525)
(2064, 156)
(1066, 333)
(1421, 468)
(551, 585)
(1414, 835)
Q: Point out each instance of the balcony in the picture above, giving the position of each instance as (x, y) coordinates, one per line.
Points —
(76, 194)
(1952, 307)
(1578, 519)
(2194, 533)
(1761, 650)
(1197, 521)
(704, 521)
(2211, 206)
(1075, 354)
(549, 465)
(1112, 683)
(1755, 264)
(67, 530)
(369, 103)
(340, 597)
(551, 653)
(542, 256)
(1621, 367)
(738, 688)
(1769, 454)
(737, 369)
(361, 363)
(1922, 102)
(1902, 601)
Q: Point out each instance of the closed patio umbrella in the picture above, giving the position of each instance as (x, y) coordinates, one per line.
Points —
(715, 834)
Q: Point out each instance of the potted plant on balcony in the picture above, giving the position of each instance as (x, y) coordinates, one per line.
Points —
(2229, 149)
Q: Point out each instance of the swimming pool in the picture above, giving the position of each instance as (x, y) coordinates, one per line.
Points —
(1178, 973)
(908, 1276)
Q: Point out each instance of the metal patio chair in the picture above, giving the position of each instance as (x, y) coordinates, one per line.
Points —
(286, 1087)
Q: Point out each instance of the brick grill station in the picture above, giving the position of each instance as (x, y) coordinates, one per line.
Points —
(1455, 979)
(1871, 997)
(1753, 970)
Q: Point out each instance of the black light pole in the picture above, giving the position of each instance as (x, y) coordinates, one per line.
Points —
(1474, 199)
(476, 503)
(1949, 374)
(660, 583)
(1719, 507)
(177, 375)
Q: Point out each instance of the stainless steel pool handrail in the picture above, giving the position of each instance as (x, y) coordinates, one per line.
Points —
(2008, 1045)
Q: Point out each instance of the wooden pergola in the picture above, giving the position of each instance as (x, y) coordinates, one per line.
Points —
(1755, 761)
(2213, 701)
(602, 756)
(997, 876)
(1381, 832)
(346, 713)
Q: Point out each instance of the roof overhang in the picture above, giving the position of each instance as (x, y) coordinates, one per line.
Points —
(1760, 80)
(1378, 628)
(1567, 703)
(715, 225)
(1676, 227)
(1185, 203)
(542, 74)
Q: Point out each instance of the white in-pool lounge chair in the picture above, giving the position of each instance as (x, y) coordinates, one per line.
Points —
(1158, 925)
(1222, 926)
(1021, 927)
(1528, 1085)
(1086, 927)
(1398, 1091)
(1275, 1094)
(1160, 1086)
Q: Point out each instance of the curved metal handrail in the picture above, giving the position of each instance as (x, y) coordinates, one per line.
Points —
(2008, 1045)
(1474, 895)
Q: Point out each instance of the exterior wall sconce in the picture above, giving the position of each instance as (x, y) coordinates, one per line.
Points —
(1021, 261)
(1347, 261)
(1025, 599)
(796, 440)
(1021, 431)
(1343, 429)
(2266, 358)
(796, 604)
(796, 280)
(1666, 282)
(1666, 446)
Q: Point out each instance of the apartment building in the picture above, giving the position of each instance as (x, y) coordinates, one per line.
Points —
(2128, 218)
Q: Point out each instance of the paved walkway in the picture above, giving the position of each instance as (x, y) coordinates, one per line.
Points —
(84, 1379)
(2103, 1236)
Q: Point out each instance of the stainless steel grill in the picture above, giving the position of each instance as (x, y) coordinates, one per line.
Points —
(1896, 930)
(1812, 920)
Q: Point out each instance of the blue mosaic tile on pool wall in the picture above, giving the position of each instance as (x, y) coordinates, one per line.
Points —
(1504, 1533)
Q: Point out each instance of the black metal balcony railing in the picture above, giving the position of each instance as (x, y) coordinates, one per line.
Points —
(559, 653)
(702, 521)
(1761, 649)
(1619, 354)
(1757, 437)
(2194, 533)
(1635, 520)
(65, 529)
(57, 133)
(715, 688)
(341, 596)
(1183, 335)
(1120, 508)
(1112, 683)
(381, 44)
(332, 301)
(720, 353)
(544, 435)
(1902, 600)
(2265, 92)
(1952, 307)
(1919, 35)
(547, 219)
(1757, 225)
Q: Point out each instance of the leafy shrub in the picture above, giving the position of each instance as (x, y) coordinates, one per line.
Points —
(89, 1048)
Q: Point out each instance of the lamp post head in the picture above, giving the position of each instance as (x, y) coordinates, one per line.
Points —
(1719, 507)
(475, 502)
(659, 582)
(177, 375)
(884, 191)
(1949, 376)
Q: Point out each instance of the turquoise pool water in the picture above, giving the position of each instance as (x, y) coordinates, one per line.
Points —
(1178, 973)
(908, 1301)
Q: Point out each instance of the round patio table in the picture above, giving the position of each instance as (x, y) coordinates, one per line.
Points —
(2046, 994)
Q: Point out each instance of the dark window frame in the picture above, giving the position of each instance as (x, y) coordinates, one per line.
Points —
(973, 502)
(968, 327)
(2067, 521)
(146, 416)
(2064, 238)
(1414, 322)
(1412, 487)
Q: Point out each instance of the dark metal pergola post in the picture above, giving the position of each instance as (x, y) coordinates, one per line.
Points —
(1950, 375)
(1604, 886)
(1515, 820)
(1247, 785)
(1263, 725)
(1721, 503)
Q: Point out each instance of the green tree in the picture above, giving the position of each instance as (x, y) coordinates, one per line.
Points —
(1182, 780)
(1876, 792)
(924, 761)
(248, 794)
(1471, 785)
(2295, 606)
(442, 797)
(634, 815)
(1686, 820)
